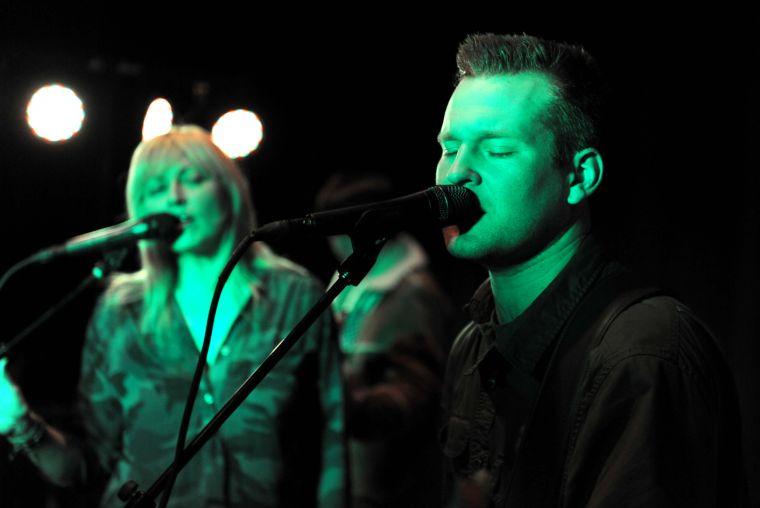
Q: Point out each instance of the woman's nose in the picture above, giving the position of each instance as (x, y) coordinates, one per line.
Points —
(176, 192)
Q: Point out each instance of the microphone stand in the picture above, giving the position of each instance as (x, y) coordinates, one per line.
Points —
(110, 262)
(351, 272)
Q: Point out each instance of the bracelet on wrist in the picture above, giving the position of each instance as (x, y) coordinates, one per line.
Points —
(27, 434)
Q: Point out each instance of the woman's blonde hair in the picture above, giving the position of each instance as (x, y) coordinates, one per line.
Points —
(154, 283)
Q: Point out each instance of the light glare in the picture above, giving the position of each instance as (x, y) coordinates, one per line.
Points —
(158, 119)
(55, 113)
(237, 133)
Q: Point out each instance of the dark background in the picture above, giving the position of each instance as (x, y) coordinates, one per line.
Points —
(365, 90)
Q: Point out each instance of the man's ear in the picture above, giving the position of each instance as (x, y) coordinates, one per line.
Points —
(586, 175)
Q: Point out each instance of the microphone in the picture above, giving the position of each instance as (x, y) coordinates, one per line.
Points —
(163, 226)
(438, 206)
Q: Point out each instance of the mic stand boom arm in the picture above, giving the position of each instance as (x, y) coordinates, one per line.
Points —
(351, 272)
(110, 262)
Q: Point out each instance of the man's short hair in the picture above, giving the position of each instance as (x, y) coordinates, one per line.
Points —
(576, 117)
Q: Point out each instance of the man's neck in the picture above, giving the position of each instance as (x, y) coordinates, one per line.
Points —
(516, 287)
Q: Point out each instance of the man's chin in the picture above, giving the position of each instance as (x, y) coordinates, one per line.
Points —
(456, 243)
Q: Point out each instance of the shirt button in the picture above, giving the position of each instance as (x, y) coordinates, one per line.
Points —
(225, 351)
(208, 398)
(491, 383)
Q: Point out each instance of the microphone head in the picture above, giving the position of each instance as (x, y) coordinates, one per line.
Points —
(162, 226)
(455, 204)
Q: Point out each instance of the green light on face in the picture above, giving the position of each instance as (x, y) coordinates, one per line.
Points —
(494, 140)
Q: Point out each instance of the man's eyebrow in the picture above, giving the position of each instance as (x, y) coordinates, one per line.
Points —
(444, 137)
(482, 135)
(495, 135)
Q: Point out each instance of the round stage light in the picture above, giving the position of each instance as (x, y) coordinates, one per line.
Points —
(55, 113)
(237, 133)
(158, 119)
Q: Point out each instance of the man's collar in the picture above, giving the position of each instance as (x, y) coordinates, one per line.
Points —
(482, 304)
(524, 341)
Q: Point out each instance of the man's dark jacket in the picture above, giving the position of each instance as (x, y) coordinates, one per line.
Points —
(552, 409)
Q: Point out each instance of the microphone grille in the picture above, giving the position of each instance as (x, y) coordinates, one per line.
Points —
(455, 203)
(163, 226)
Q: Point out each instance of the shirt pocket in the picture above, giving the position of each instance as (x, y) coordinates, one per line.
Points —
(468, 443)
(454, 438)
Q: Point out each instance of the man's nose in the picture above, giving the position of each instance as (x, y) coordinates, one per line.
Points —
(461, 170)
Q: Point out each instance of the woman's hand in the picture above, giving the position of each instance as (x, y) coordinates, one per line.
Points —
(12, 405)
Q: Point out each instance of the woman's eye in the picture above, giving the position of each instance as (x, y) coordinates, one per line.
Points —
(193, 177)
(155, 188)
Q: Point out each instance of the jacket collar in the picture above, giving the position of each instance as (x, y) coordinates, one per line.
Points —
(524, 341)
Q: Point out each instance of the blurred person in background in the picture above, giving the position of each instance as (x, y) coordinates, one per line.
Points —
(394, 330)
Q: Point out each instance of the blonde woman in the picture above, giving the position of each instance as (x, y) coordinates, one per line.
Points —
(283, 447)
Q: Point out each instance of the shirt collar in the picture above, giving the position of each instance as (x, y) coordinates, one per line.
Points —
(524, 341)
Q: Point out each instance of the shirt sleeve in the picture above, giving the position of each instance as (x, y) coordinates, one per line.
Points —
(99, 407)
(394, 390)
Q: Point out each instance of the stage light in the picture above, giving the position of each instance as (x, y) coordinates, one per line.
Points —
(158, 119)
(237, 133)
(55, 113)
